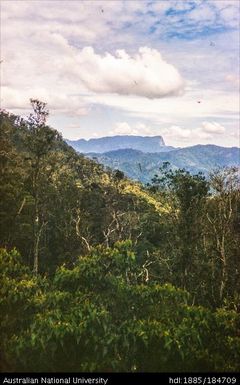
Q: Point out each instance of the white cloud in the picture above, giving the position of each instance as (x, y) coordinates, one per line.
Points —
(63, 76)
(17, 100)
(44, 56)
(212, 103)
(203, 134)
(177, 132)
(213, 128)
(203, 13)
(228, 12)
(172, 133)
(144, 74)
(124, 128)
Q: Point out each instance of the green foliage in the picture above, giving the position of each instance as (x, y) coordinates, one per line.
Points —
(97, 316)
(56, 204)
(200, 233)
(156, 286)
(143, 165)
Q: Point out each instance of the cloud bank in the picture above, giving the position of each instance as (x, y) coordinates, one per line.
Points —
(83, 59)
(202, 134)
(145, 73)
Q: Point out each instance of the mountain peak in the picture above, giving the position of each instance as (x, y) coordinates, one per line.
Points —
(118, 142)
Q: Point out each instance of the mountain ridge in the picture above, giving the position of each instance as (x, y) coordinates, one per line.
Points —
(143, 166)
(108, 143)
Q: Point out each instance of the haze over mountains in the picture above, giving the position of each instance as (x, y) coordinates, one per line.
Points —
(140, 157)
(110, 143)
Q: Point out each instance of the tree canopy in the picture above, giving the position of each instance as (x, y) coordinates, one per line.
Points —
(100, 273)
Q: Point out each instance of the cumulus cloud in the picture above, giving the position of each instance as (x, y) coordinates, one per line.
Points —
(124, 128)
(44, 56)
(203, 134)
(206, 131)
(213, 128)
(17, 100)
(177, 132)
(174, 134)
(64, 76)
(144, 74)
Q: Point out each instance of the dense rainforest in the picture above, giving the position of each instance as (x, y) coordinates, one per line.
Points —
(100, 273)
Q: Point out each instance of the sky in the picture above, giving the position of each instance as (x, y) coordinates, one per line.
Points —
(144, 67)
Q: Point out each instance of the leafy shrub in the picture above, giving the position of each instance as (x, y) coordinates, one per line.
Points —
(98, 316)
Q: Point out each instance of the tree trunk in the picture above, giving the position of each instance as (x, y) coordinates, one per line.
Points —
(36, 228)
(224, 268)
(36, 240)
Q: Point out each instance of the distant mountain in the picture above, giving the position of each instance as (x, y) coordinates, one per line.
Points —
(111, 143)
(143, 166)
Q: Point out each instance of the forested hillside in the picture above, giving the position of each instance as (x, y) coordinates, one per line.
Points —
(100, 273)
(143, 166)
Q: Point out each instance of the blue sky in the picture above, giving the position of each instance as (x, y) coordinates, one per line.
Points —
(167, 68)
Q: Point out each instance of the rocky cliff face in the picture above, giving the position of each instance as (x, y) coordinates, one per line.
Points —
(111, 143)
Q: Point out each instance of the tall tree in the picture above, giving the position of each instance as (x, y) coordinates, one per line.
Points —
(40, 142)
(186, 195)
(223, 229)
(11, 175)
